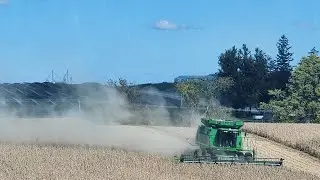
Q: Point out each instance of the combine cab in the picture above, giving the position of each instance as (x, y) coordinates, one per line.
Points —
(222, 142)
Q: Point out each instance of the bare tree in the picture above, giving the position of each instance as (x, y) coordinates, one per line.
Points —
(127, 89)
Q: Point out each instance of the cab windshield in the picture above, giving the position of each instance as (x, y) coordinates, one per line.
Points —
(226, 138)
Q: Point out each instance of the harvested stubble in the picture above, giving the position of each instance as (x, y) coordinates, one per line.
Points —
(304, 137)
(72, 162)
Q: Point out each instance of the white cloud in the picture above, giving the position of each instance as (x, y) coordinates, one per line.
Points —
(167, 25)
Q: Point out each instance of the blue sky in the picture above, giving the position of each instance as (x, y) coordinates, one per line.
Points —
(101, 39)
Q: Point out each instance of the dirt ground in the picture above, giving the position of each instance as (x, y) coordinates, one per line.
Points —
(155, 139)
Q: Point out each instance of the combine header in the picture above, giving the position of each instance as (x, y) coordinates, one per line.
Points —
(222, 142)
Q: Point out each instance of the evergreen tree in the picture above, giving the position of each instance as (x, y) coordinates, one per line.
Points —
(283, 68)
(284, 56)
(246, 89)
(248, 73)
(272, 64)
(228, 62)
(229, 67)
(313, 52)
(260, 78)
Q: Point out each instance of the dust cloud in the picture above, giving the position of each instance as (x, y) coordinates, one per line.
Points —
(108, 120)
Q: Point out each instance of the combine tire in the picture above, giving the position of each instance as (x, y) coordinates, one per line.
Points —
(204, 152)
(214, 157)
(196, 153)
(240, 155)
(248, 156)
(199, 152)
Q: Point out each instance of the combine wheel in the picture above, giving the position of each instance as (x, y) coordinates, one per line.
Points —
(248, 156)
(199, 152)
(240, 155)
(213, 156)
(196, 153)
(205, 154)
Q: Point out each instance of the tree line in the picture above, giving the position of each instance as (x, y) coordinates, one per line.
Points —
(255, 79)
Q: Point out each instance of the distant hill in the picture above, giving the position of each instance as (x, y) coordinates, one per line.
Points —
(47, 90)
(35, 98)
(186, 78)
(162, 87)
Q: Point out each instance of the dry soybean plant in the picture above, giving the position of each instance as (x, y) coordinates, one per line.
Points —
(83, 162)
(304, 137)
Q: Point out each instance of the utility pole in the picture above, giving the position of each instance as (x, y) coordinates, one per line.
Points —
(66, 78)
(67, 75)
(52, 76)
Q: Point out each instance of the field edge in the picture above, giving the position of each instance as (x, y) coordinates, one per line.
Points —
(294, 146)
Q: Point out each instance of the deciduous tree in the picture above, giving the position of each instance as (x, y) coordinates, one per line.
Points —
(302, 98)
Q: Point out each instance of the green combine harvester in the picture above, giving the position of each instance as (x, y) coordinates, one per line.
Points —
(222, 142)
